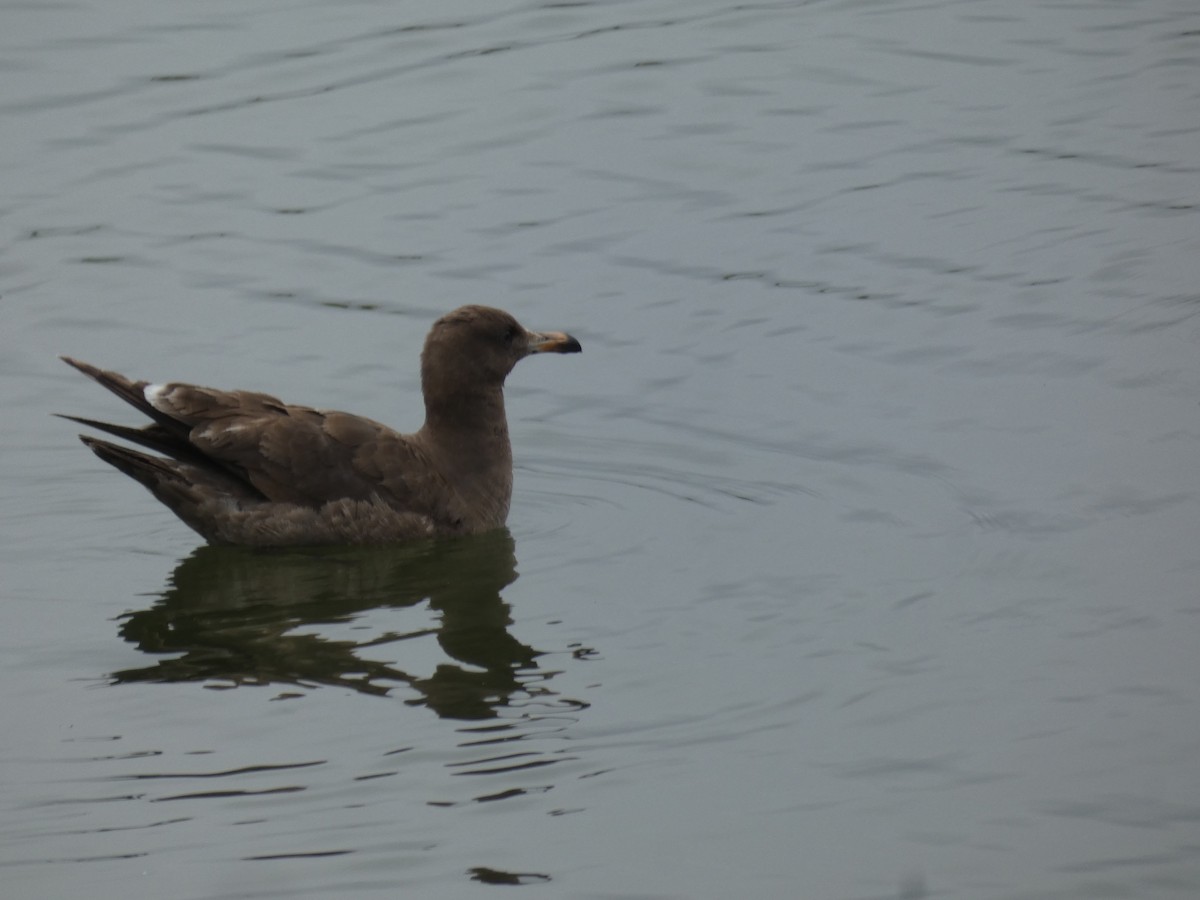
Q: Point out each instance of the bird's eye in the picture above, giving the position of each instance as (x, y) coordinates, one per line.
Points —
(511, 334)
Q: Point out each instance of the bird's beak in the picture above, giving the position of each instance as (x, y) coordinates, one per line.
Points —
(552, 342)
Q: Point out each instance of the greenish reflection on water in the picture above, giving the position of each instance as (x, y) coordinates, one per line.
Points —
(236, 616)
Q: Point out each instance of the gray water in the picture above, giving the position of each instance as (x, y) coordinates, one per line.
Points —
(855, 557)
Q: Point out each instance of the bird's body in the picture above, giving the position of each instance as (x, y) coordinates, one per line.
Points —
(241, 467)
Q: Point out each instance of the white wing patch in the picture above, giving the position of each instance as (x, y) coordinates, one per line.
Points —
(156, 396)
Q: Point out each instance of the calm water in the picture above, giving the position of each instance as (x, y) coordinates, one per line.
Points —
(855, 557)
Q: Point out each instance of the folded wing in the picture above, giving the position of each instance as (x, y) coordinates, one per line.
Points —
(279, 452)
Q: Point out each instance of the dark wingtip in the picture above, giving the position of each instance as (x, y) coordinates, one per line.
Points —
(91, 423)
(119, 430)
(79, 420)
(86, 368)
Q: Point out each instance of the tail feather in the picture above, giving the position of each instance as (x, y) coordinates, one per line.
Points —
(166, 435)
(173, 482)
(182, 488)
(194, 486)
(151, 471)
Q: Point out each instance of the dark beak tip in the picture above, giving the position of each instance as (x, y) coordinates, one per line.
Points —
(553, 342)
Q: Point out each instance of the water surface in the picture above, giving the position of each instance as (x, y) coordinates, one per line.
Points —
(854, 557)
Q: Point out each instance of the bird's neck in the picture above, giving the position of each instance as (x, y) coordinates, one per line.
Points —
(476, 415)
(468, 433)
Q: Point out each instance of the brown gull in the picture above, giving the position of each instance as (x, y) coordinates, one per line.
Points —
(241, 467)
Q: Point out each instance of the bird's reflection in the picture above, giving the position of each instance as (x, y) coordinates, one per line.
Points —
(238, 616)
